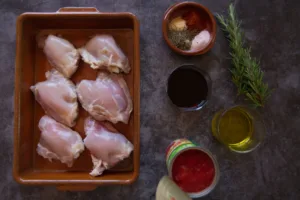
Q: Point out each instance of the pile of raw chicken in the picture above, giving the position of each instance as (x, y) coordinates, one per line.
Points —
(106, 99)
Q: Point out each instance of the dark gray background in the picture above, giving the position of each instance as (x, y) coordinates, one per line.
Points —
(272, 29)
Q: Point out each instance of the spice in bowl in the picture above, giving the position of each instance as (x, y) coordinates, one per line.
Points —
(177, 24)
(193, 20)
(182, 39)
(187, 33)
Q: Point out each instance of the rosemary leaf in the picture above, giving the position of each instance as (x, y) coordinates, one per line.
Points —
(246, 72)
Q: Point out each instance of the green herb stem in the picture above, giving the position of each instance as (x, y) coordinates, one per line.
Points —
(246, 72)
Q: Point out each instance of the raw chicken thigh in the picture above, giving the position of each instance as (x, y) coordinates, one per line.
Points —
(102, 52)
(61, 54)
(57, 96)
(106, 98)
(58, 141)
(106, 145)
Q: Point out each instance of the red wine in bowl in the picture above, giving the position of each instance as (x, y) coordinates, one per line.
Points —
(188, 87)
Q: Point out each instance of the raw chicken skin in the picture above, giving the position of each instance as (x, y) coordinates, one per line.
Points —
(106, 98)
(57, 96)
(106, 145)
(61, 54)
(58, 141)
(102, 52)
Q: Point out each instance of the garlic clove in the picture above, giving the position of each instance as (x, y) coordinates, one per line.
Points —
(200, 41)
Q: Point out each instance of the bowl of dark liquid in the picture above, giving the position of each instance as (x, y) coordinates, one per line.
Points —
(189, 87)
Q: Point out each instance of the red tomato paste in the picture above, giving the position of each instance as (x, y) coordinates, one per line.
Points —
(193, 171)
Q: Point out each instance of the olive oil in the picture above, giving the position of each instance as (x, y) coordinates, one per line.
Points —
(234, 128)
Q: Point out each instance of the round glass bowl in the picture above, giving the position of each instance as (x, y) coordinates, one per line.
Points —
(189, 87)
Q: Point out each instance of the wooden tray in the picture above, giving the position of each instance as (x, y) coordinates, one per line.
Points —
(77, 25)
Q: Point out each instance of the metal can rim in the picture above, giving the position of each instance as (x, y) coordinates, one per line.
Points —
(215, 181)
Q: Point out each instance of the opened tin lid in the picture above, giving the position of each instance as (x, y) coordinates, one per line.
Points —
(168, 190)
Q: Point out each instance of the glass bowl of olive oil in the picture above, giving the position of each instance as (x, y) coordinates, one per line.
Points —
(240, 128)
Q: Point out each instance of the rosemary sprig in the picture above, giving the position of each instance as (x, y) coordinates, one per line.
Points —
(246, 72)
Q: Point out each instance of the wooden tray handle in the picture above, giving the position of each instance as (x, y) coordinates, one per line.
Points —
(78, 9)
(76, 187)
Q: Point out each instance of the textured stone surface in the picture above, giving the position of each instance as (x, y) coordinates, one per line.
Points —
(272, 29)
